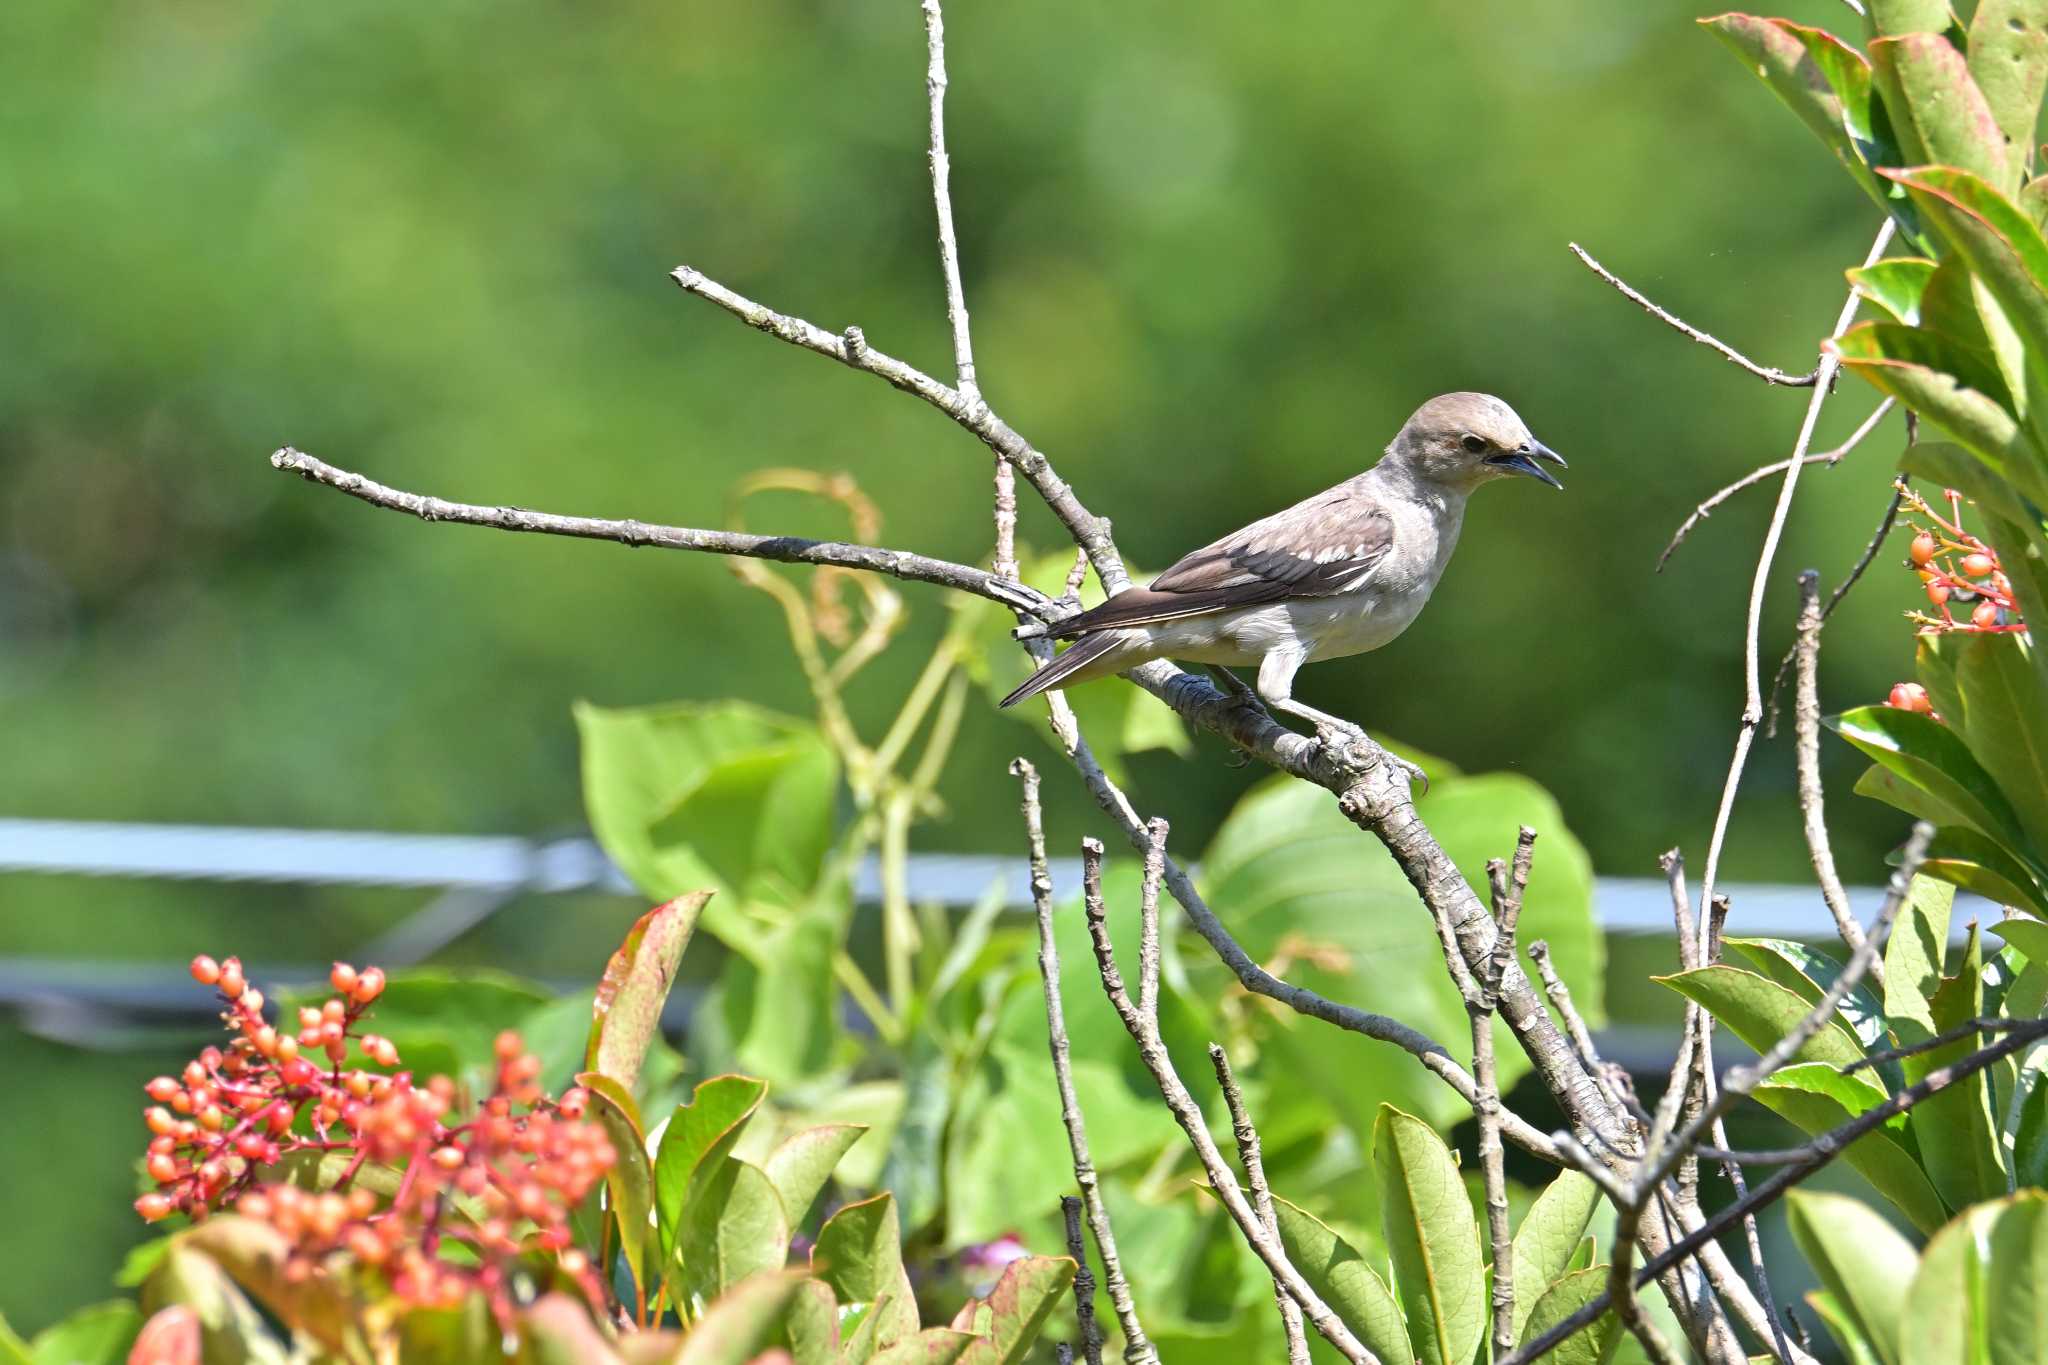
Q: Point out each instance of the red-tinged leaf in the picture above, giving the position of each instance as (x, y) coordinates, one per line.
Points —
(1017, 1309)
(626, 1013)
(557, 1330)
(2009, 59)
(171, 1337)
(1937, 112)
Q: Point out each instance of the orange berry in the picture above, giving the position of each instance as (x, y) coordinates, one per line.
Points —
(447, 1158)
(230, 980)
(254, 1204)
(159, 1120)
(369, 985)
(153, 1207)
(1985, 616)
(1977, 565)
(1937, 593)
(161, 1088)
(1923, 548)
(342, 978)
(205, 970)
(508, 1046)
(574, 1102)
(1908, 696)
(163, 1168)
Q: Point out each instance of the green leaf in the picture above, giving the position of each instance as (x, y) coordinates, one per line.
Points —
(1986, 481)
(1817, 1098)
(1981, 1293)
(1937, 112)
(744, 1321)
(1914, 954)
(1895, 285)
(231, 1329)
(932, 1346)
(698, 1136)
(1940, 379)
(1958, 1138)
(1427, 1220)
(1760, 1012)
(255, 1255)
(98, 1335)
(859, 1254)
(915, 1171)
(733, 1227)
(1810, 974)
(1967, 859)
(804, 1161)
(1928, 755)
(1906, 16)
(1843, 1328)
(1549, 1237)
(2024, 1134)
(1861, 1260)
(780, 997)
(1343, 1279)
(1009, 1321)
(1821, 79)
(2009, 61)
(630, 1181)
(2025, 933)
(725, 796)
(2004, 713)
(443, 1020)
(1593, 1344)
(625, 1014)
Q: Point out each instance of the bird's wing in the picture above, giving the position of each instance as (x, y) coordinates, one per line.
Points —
(1328, 544)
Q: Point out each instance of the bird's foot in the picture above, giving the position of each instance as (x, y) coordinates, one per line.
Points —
(1416, 776)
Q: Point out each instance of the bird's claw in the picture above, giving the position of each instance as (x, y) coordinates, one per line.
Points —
(1416, 776)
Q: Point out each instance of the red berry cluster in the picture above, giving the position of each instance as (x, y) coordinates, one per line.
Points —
(490, 1186)
(1910, 696)
(1956, 569)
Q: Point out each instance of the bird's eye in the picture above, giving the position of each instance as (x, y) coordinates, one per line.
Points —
(1473, 444)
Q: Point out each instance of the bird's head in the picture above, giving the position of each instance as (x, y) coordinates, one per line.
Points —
(1461, 440)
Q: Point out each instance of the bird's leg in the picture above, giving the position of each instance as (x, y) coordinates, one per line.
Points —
(1276, 688)
(1240, 695)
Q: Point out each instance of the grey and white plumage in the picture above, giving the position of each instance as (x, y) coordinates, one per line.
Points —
(1336, 574)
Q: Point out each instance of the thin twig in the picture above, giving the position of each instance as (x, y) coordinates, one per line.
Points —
(1877, 539)
(1254, 1164)
(1138, 1347)
(1815, 1155)
(1938, 1041)
(1806, 738)
(1759, 474)
(902, 564)
(1084, 1282)
(1561, 1000)
(1753, 701)
(1507, 909)
(1766, 373)
(1144, 1031)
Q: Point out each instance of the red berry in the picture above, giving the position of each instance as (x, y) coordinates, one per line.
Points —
(163, 1167)
(368, 986)
(574, 1102)
(342, 978)
(1908, 696)
(153, 1207)
(1937, 593)
(205, 970)
(231, 981)
(1985, 616)
(161, 1088)
(1923, 548)
(1977, 565)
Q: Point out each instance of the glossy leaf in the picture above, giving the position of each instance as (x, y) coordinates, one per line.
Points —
(1810, 973)
(2009, 62)
(1593, 1344)
(1969, 860)
(254, 1256)
(1954, 1127)
(625, 1013)
(1914, 954)
(1842, 1327)
(698, 1136)
(2004, 712)
(1427, 1220)
(1986, 481)
(1008, 1322)
(741, 1323)
(1981, 1292)
(1816, 1098)
(1940, 379)
(1927, 754)
(1860, 1258)
(804, 1161)
(1549, 1237)
(1895, 285)
(733, 1226)
(859, 1254)
(1821, 79)
(629, 1184)
(1343, 1279)
(1760, 1012)
(1937, 112)
(2025, 933)
(2024, 1133)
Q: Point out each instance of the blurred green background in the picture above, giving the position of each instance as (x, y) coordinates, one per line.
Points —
(1215, 253)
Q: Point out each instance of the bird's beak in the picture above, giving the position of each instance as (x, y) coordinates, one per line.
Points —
(1523, 461)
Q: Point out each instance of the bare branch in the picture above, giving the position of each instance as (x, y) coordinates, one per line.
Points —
(784, 549)
(1138, 1347)
(1758, 475)
(1084, 1282)
(1764, 372)
(1249, 1157)
(1806, 734)
(852, 349)
(1753, 702)
(1144, 1031)
(1507, 909)
(1575, 1023)
(1816, 1154)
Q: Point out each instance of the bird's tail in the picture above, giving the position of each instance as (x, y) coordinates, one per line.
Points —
(1077, 656)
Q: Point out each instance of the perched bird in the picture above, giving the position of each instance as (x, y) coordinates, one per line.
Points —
(1337, 574)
